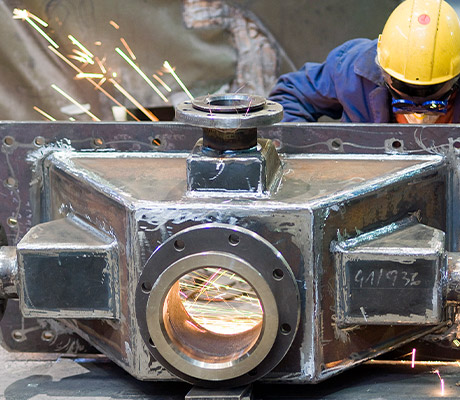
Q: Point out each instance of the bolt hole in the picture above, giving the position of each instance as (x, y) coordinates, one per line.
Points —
(18, 336)
(48, 336)
(39, 141)
(278, 274)
(11, 182)
(12, 222)
(156, 142)
(336, 144)
(98, 142)
(456, 144)
(233, 239)
(396, 144)
(146, 287)
(8, 141)
(179, 245)
(285, 329)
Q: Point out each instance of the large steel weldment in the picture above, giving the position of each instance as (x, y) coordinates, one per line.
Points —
(317, 263)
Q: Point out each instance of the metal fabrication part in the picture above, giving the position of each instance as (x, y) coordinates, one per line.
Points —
(245, 259)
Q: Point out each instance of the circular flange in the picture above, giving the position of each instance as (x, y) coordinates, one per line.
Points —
(229, 111)
(255, 260)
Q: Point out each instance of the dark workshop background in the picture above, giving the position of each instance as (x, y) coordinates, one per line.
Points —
(215, 45)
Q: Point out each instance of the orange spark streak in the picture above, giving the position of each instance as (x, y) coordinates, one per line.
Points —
(114, 24)
(78, 58)
(46, 115)
(75, 102)
(162, 82)
(149, 114)
(83, 55)
(128, 49)
(80, 46)
(70, 64)
(101, 65)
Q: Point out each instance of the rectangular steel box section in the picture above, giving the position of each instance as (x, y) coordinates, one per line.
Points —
(68, 270)
(142, 200)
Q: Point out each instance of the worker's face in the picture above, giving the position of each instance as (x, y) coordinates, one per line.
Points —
(419, 118)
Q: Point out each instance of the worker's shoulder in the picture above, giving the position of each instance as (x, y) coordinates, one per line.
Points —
(355, 48)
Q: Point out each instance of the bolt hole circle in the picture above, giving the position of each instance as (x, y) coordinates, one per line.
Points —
(98, 142)
(396, 144)
(278, 274)
(456, 144)
(8, 141)
(146, 287)
(234, 239)
(12, 222)
(48, 336)
(179, 245)
(156, 142)
(39, 141)
(336, 144)
(285, 329)
(18, 336)
(11, 182)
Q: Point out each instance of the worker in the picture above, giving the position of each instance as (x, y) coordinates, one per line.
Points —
(408, 75)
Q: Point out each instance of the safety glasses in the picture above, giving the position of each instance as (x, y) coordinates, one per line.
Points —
(403, 106)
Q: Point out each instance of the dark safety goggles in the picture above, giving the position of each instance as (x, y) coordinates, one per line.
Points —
(403, 106)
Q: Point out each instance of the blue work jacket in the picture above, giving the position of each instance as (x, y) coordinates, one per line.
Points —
(348, 85)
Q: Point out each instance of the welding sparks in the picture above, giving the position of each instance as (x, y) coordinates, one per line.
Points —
(146, 112)
(114, 24)
(162, 83)
(27, 16)
(82, 56)
(440, 380)
(220, 301)
(97, 86)
(139, 71)
(75, 102)
(84, 75)
(128, 49)
(80, 46)
(101, 65)
(46, 115)
(413, 358)
(173, 73)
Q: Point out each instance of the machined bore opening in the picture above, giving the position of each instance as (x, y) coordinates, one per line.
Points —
(229, 103)
(213, 315)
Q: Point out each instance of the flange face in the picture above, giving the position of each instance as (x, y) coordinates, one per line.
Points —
(229, 111)
(190, 351)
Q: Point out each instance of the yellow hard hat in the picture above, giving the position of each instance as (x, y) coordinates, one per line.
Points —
(420, 43)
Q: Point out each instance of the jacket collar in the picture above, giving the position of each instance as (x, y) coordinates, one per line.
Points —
(366, 65)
